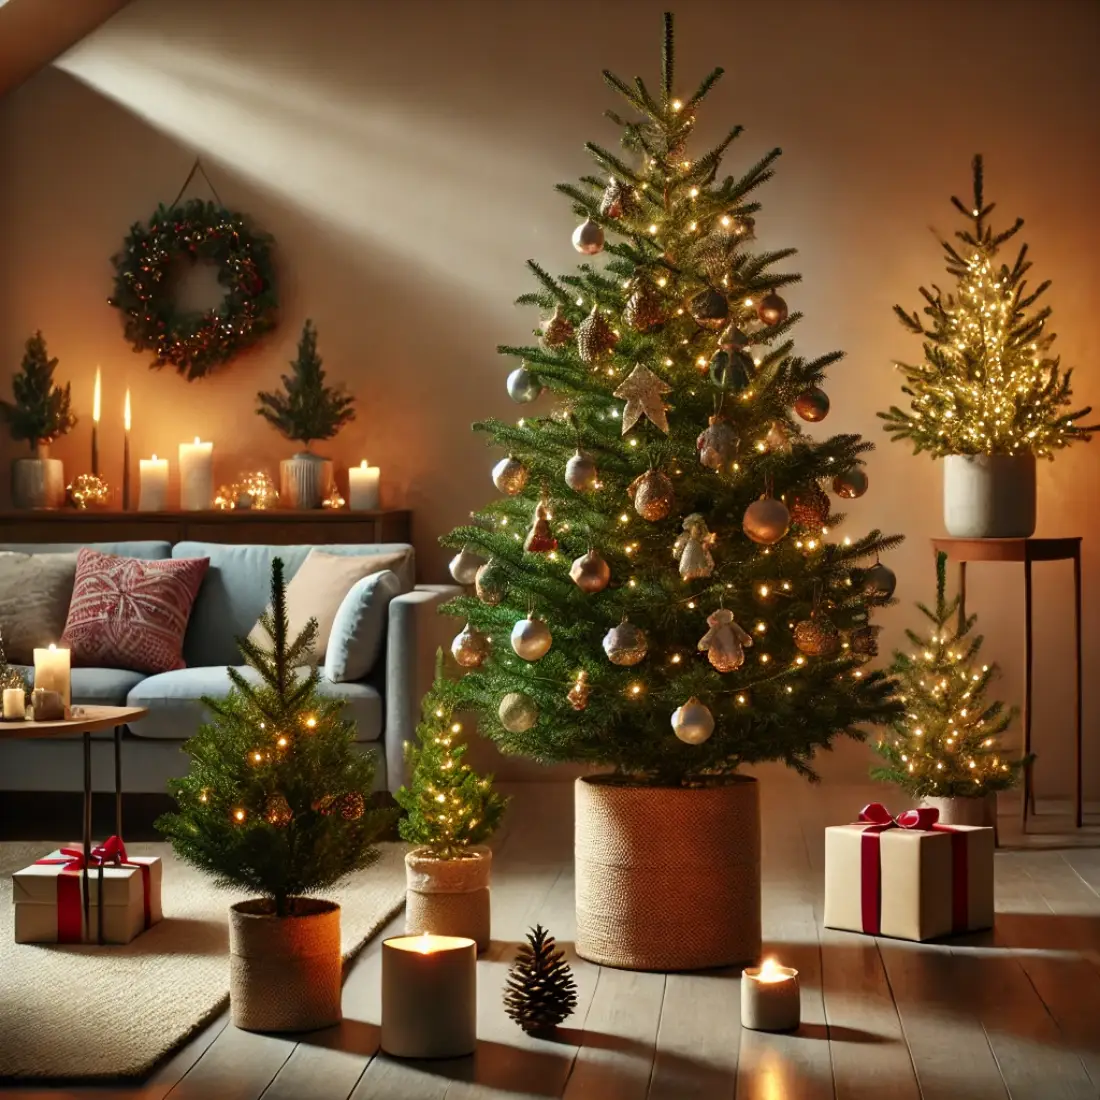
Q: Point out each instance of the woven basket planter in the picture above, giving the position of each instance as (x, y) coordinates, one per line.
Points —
(285, 973)
(967, 811)
(668, 878)
(449, 897)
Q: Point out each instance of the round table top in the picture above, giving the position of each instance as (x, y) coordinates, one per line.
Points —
(88, 720)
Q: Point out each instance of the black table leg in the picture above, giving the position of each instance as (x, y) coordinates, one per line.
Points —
(87, 823)
(118, 781)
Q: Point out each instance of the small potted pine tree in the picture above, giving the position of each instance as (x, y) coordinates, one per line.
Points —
(277, 802)
(451, 812)
(306, 410)
(39, 414)
(945, 749)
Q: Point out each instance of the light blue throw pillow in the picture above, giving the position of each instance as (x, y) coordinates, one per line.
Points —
(359, 627)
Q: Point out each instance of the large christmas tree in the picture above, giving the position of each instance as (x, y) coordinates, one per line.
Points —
(664, 590)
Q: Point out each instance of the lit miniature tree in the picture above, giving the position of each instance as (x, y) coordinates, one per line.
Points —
(10, 676)
(947, 744)
(988, 384)
(642, 607)
(449, 806)
(307, 409)
(277, 798)
(41, 410)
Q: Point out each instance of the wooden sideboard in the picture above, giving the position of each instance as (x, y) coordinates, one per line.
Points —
(268, 527)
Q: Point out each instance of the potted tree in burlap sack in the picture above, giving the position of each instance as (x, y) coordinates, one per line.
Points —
(276, 802)
(451, 812)
(663, 596)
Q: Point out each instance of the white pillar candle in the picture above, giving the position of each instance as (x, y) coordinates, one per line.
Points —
(15, 703)
(51, 672)
(196, 476)
(153, 484)
(770, 999)
(429, 996)
(363, 487)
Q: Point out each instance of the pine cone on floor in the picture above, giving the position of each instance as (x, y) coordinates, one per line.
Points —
(540, 992)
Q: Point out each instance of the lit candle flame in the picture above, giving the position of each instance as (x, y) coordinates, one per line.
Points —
(197, 441)
(96, 396)
(126, 411)
(770, 972)
(53, 648)
(363, 464)
(424, 944)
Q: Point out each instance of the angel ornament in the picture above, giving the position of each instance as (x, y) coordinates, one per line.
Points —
(693, 548)
(725, 642)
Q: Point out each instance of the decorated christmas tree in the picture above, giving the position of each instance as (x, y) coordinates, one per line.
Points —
(41, 410)
(664, 589)
(947, 743)
(988, 383)
(276, 800)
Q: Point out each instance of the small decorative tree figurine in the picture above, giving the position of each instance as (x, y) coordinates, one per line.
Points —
(451, 812)
(276, 802)
(540, 991)
(306, 410)
(947, 744)
(10, 676)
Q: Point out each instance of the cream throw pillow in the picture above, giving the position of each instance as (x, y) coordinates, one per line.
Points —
(318, 589)
(35, 592)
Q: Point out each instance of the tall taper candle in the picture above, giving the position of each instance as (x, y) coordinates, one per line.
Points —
(126, 453)
(95, 421)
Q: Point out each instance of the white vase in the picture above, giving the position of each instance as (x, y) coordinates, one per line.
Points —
(39, 482)
(304, 480)
(989, 496)
(965, 811)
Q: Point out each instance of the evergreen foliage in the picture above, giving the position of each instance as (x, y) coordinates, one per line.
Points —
(277, 798)
(947, 743)
(10, 676)
(678, 230)
(41, 410)
(449, 807)
(988, 384)
(540, 992)
(307, 409)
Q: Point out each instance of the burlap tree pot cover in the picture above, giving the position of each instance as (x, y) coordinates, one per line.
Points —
(668, 878)
(285, 973)
(449, 897)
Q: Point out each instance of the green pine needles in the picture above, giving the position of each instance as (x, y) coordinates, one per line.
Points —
(988, 384)
(277, 798)
(947, 743)
(307, 409)
(41, 410)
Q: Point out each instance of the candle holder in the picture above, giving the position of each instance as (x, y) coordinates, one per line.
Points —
(770, 997)
(48, 705)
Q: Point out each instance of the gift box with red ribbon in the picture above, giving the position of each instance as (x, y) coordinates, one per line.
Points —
(908, 876)
(123, 896)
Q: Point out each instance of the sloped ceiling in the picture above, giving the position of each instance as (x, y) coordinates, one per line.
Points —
(34, 32)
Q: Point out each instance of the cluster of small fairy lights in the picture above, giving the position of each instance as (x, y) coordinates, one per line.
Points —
(452, 815)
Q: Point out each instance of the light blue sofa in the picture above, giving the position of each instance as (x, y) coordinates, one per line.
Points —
(385, 707)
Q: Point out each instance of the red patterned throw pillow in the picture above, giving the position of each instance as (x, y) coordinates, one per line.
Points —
(129, 613)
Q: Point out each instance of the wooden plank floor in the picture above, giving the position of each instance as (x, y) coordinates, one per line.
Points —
(1009, 1014)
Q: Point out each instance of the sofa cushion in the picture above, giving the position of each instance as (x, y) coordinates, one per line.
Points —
(359, 627)
(100, 687)
(147, 550)
(35, 591)
(237, 588)
(176, 710)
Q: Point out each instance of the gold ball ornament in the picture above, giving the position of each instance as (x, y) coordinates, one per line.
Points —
(470, 647)
(581, 474)
(579, 691)
(531, 639)
(588, 238)
(717, 443)
(644, 310)
(879, 582)
(250, 490)
(557, 329)
(850, 484)
(771, 309)
(277, 811)
(595, 337)
(693, 722)
(709, 308)
(523, 387)
(590, 573)
(817, 636)
(517, 712)
(625, 644)
(510, 475)
(766, 521)
(809, 507)
(653, 495)
(88, 491)
(464, 565)
(489, 583)
(812, 405)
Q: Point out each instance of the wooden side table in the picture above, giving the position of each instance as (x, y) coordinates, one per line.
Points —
(1028, 551)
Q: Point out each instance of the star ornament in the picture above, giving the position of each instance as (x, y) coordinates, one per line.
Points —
(642, 390)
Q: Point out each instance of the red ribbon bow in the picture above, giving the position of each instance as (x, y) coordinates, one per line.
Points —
(876, 814)
(112, 850)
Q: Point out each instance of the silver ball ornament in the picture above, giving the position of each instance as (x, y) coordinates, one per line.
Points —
(581, 474)
(470, 647)
(625, 644)
(531, 639)
(588, 238)
(693, 722)
(523, 386)
(464, 565)
(590, 573)
(850, 484)
(766, 521)
(517, 712)
(510, 475)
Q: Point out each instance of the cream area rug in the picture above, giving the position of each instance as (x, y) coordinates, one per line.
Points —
(89, 1011)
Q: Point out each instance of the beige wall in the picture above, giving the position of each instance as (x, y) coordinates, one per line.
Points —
(403, 154)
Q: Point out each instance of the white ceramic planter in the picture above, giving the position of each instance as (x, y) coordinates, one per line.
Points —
(304, 480)
(37, 483)
(989, 496)
(965, 811)
(449, 897)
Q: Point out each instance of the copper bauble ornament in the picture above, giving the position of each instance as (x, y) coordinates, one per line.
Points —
(588, 238)
(590, 573)
(817, 636)
(465, 564)
(879, 582)
(863, 641)
(595, 337)
(510, 475)
(523, 387)
(653, 495)
(850, 484)
(489, 583)
(625, 644)
(557, 329)
(470, 647)
(812, 404)
(644, 310)
(277, 811)
(579, 691)
(809, 507)
(732, 338)
(693, 722)
(716, 443)
(771, 309)
(581, 474)
(540, 539)
(517, 712)
(531, 639)
(731, 370)
(725, 642)
(766, 520)
(618, 199)
(709, 308)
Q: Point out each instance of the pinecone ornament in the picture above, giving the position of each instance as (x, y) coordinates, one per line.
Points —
(644, 310)
(725, 643)
(817, 636)
(540, 991)
(557, 330)
(595, 338)
(809, 507)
